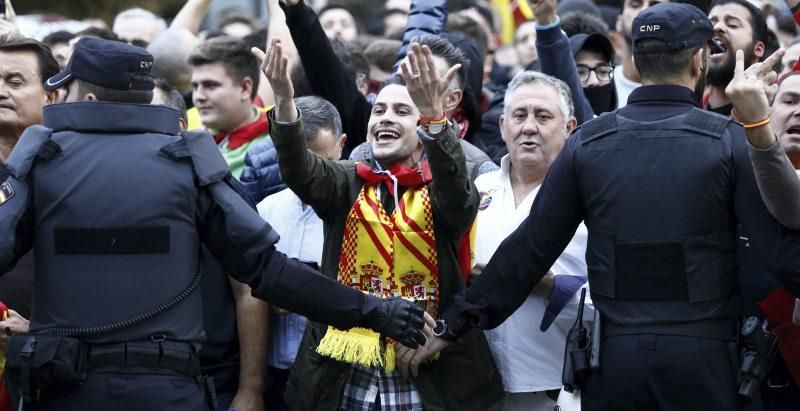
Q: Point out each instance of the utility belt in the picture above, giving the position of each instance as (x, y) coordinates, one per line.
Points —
(37, 362)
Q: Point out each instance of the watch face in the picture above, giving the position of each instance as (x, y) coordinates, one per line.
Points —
(440, 328)
(436, 128)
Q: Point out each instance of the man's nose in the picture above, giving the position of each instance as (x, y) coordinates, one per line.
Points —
(592, 81)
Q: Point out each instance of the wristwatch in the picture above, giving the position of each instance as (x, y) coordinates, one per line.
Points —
(440, 329)
(434, 129)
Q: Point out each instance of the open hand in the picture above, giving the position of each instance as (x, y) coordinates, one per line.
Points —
(16, 323)
(423, 82)
(275, 67)
(749, 88)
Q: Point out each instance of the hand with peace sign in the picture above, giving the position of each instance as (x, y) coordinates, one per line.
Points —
(423, 82)
(748, 89)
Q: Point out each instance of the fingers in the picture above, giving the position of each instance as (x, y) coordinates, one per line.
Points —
(738, 69)
(770, 78)
(450, 74)
(403, 357)
(259, 55)
(428, 66)
(413, 59)
(429, 321)
(418, 337)
(770, 62)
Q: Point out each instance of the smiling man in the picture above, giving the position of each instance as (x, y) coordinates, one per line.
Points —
(393, 225)
(738, 25)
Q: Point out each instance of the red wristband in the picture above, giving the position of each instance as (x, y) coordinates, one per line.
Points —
(426, 121)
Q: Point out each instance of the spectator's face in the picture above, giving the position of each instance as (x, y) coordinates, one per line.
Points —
(631, 9)
(326, 145)
(785, 114)
(222, 102)
(237, 29)
(21, 93)
(733, 29)
(790, 58)
(392, 134)
(135, 28)
(534, 128)
(525, 43)
(61, 52)
(394, 23)
(338, 24)
(592, 62)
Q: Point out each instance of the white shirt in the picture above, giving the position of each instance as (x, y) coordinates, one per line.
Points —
(624, 86)
(301, 238)
(529, 360)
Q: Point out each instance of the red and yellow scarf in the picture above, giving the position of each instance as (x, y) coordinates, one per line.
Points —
(388, 256)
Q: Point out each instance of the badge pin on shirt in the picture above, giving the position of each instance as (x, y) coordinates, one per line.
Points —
(6, 192)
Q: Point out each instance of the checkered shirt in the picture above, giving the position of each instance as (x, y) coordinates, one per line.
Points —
(372, 389)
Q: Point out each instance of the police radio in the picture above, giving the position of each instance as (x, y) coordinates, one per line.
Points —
(760, 346)
(577, 353)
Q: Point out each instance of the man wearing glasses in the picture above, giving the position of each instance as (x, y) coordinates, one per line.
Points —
(594, 56)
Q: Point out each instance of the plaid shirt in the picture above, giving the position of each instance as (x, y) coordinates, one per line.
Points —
(371, 388)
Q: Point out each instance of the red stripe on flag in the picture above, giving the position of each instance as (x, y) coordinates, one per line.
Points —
(414, 226)
(427, 263)
(374, 237)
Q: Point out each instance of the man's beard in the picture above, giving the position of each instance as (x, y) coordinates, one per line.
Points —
(722, 74)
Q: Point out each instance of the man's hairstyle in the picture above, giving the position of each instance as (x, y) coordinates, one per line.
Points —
(771, 46)
(114, 95)
(257, 39)
(451, 54)
(382, 53)
(98, 33)
(173, 98)
(236, 16)
(757, 20)
(48, 66)
(57, 37)
(461, 23)
(394, 80)
(138, 12)
(533, 78)
(171, 51)
(233, 54)
(354, 61)
(358, 18)
(667, 66)
(318, 114)
(575, 22)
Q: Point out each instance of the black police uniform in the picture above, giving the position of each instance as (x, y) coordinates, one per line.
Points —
(660, 186)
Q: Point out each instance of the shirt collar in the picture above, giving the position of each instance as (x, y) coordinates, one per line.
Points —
(112, 118)
(663, 93)
(505, 165)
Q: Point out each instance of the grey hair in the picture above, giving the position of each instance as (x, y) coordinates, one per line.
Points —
(533, 78)
(318, 114)
(138, 12)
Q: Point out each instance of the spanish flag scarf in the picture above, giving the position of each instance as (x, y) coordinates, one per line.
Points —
(388, 256)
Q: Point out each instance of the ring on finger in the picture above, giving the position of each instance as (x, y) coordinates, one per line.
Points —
(416, 74)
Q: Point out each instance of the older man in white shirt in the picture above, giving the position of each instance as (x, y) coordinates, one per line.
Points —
(537, 118)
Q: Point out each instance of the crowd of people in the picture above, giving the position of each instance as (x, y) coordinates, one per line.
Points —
(404, 205)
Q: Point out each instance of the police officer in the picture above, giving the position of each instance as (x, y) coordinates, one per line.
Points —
(117, 203)
(661, 186)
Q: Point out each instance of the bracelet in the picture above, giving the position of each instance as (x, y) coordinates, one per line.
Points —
(439, 120)
(755, 124)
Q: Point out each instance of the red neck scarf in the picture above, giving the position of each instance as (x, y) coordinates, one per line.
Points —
(404, 176)
(245, 133)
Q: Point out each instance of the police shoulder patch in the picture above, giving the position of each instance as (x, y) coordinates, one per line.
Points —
(6, 192)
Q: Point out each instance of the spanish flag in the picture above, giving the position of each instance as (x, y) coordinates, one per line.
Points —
(512, 14)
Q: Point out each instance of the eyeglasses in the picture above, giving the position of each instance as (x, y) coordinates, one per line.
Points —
(604, 72)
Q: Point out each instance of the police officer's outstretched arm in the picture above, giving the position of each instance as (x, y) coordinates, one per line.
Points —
(245, 245)
(318, 182)
(526, 255)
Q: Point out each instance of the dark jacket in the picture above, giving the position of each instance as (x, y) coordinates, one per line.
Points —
(261, 175)
(465, 376)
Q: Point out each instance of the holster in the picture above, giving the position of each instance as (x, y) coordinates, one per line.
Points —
(42, 361)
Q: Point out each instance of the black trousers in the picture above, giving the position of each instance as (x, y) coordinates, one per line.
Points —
(127, 392)
(663, 372)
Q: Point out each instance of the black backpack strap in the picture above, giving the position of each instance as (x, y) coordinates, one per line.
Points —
(706, 122)
(209, 165)
(598, 127)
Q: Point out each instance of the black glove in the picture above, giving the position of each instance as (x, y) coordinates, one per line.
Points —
(396, 318)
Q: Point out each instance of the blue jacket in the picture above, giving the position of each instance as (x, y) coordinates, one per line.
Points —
(261, 176)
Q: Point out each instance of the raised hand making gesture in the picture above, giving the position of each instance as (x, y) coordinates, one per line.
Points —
(749, 92)
(276, 68)
(423, 82)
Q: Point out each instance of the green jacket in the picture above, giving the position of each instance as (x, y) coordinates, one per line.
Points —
(464, 377)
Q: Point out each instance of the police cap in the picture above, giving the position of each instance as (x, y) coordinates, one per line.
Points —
(107, 63)
(680, 26)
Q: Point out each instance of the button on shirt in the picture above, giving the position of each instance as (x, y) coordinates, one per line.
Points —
(301, 238)
(529, 360)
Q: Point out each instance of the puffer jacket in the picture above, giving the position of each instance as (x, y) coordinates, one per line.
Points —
(261, 176)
